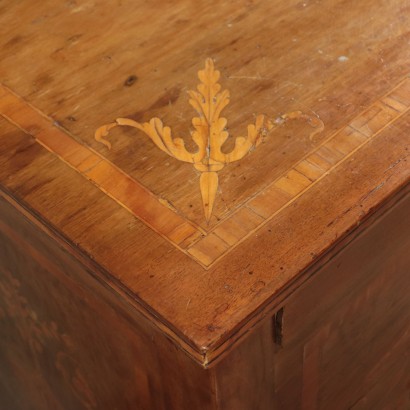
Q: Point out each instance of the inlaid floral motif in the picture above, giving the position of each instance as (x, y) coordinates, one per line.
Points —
(209, 135)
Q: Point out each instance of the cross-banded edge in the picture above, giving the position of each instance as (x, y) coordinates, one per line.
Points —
(208, 248)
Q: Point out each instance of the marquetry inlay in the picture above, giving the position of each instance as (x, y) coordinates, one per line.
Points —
(209, 135)
(208, 247)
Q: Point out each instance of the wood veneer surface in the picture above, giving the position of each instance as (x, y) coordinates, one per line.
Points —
(68, 68)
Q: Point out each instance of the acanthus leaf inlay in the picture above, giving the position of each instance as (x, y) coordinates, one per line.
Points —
(209, 135)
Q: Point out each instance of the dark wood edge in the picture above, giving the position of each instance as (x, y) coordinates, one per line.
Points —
(214, 352)
(103, 276)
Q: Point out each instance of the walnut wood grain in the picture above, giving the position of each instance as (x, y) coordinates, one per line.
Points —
(206, 248)
(131, 218)
(335, 90)
(331, 206)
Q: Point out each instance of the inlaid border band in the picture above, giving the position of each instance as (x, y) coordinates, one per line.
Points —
(125, 190)
(208, 248)
(336, 149)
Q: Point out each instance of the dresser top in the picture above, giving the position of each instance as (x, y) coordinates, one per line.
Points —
(207, 156)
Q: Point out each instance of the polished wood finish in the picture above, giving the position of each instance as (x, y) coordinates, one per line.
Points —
(237, 306)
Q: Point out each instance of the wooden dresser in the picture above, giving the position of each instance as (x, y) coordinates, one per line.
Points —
(204, 205)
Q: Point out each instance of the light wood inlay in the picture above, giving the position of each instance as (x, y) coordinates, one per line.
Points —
(293, 182)
(293, 295)
(209, 135)
(308, 169)
(238, 225)
(374, 118)
(346, 140)
(269, 201)
(208, 248)
(315, 166)
(115, 183)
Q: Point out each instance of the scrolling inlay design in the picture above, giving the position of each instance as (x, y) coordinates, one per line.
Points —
(209, 135)
(208, 247)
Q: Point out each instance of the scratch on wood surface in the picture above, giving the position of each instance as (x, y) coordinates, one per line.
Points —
(375, 189)
(393, 165)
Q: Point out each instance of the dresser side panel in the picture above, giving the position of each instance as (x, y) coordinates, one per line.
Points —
(342, 339)
(68, 341)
